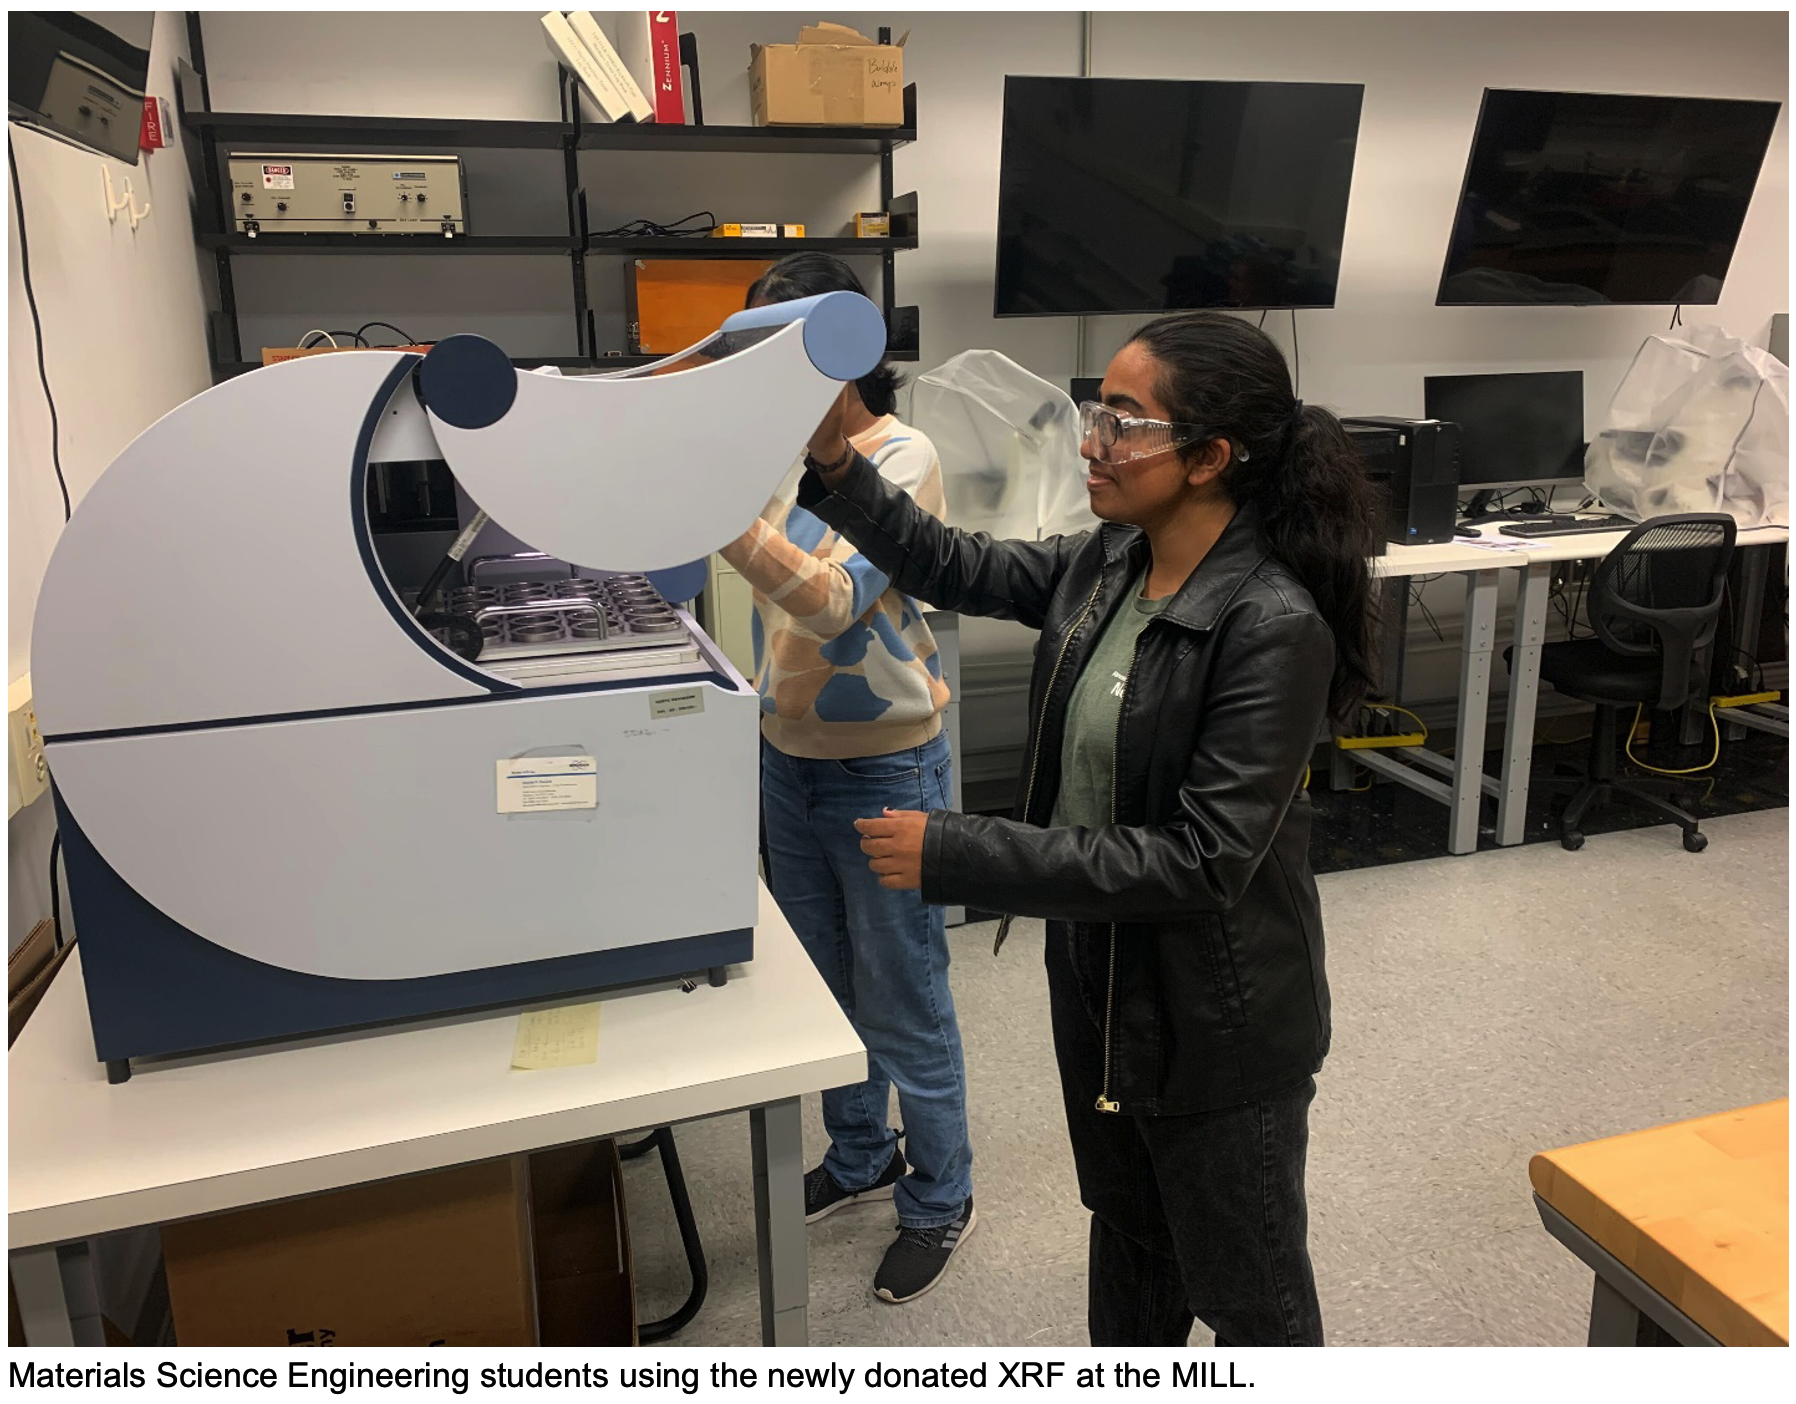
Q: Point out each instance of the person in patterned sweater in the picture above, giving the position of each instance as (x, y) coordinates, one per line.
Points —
(851, 723)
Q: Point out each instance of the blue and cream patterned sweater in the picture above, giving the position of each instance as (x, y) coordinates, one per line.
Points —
(844, 664)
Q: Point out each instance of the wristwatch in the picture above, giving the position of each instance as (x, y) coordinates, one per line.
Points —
(811, 462)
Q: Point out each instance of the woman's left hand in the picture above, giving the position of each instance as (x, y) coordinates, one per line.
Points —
(894, 847)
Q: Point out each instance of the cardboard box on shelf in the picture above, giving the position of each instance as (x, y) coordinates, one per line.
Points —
(674, 303)
(833, 76)
(758, 231)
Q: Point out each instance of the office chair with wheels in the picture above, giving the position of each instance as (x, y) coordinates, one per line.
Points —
(1655, 603)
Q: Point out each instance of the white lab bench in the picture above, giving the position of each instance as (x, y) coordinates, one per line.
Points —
(199, 1135)
(1466, 784)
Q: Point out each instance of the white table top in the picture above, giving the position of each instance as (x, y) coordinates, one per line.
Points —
(1596, 544)
(198, 1135)
(1461, 555)
(1446, 557)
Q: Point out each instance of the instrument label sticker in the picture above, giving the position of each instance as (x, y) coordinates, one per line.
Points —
(277, 177)
(535, 784)
(677, 704)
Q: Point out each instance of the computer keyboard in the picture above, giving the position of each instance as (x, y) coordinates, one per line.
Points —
(1571, 526)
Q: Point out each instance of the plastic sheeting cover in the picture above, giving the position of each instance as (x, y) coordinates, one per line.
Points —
(1009, 446)
(1700, 423)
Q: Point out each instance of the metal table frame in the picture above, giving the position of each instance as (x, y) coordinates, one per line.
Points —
(1624, 1310)
(1466, 785)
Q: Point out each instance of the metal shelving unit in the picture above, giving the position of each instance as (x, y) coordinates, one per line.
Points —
(216, 133)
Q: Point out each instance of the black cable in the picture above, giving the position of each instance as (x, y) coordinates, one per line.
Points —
(1263, 312)
(1578, 607)
(1416, 599)
(55, 889)
(37, 327)
(1756, 672)
(649, 229)
(1296, 357)
(410, 340)
(1677, 317)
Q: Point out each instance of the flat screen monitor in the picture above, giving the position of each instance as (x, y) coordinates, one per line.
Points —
(1143, 195)
(1513, 429)
(1589, 198)
(80, 77)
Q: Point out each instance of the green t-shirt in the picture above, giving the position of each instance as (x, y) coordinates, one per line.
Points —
(1088, 751)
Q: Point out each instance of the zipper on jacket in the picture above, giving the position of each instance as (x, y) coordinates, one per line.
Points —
(1040, 722)
(1104, 1103)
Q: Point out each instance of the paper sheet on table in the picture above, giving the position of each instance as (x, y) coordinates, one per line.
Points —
(557, 1038)
(1507, 543)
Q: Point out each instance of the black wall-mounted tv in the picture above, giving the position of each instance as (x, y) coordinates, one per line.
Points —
(80, 77)
(1143, 195)
(1603, 198)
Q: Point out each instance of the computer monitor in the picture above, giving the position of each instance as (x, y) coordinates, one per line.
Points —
(1514, 430)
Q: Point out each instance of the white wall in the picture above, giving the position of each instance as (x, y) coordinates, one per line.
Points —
(124, 342)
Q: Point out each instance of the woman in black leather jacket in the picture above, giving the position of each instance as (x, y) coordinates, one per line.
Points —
(1193, 650)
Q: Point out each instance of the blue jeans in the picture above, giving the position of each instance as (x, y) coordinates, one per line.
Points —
(884, 955)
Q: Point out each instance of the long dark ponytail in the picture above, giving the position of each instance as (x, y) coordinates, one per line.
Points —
(1302, 473)
(811, 275)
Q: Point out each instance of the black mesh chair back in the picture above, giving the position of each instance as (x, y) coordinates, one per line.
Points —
(1660, 591)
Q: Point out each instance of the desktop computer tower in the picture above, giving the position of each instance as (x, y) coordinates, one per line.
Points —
(1414, 463)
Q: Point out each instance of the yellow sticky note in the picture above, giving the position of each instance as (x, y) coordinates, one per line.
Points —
(557, 1038)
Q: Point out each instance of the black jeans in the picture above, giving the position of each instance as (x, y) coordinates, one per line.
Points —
(1191, 1216)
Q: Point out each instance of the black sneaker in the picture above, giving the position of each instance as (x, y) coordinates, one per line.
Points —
(917, 1260)
(823, 1196)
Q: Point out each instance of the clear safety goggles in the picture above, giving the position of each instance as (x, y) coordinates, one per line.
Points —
(1119, 438)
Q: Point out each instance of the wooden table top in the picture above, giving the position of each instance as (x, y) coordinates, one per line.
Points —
(1699, 1210)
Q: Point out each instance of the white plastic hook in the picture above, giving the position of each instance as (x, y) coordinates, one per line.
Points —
(126, 202)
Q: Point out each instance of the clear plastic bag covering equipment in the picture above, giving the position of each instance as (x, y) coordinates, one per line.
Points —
(1009, 445)
(1700, 423)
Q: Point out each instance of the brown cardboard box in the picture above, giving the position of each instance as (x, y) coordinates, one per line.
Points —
(585, 1277)
(512, 1252)
(438, 1259)
(674, 303)
(832, 77)
(29, 971)
(274, 355)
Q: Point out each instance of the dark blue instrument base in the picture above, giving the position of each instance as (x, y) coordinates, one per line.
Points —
(157, 990)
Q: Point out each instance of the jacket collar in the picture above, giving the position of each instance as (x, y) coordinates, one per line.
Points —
(1201, 599)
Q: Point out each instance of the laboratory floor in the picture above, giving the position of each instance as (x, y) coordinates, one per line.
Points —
(1485, 1008)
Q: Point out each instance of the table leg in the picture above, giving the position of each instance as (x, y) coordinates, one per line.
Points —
(1755, 566)
(1623, 1309)
(1474, 703)
(1393, 649)
(777, 1133)
(44, 1299)
(1532, 592)
(1615, 1321)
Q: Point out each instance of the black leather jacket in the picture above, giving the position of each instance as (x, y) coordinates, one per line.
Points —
(1202, 883)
